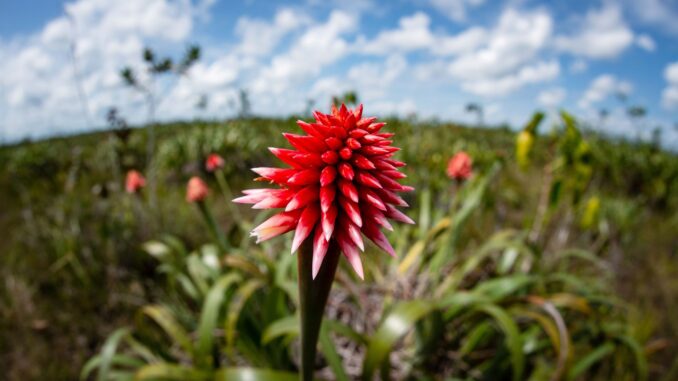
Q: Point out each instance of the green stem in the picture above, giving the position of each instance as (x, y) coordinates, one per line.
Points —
(217, 234)
(228, 195)
(313, 295)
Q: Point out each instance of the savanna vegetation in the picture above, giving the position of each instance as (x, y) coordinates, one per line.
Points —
(555, 260)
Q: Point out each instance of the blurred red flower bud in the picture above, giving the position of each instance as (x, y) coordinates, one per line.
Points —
(134, 182)
(196, 190)
(460, 166)
(214, 162)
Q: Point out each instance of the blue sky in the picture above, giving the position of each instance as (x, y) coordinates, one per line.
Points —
(60, 59)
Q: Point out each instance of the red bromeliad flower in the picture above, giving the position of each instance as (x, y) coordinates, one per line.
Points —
(214, 162)
(196, 190)
(134, 181)
(341, 184)
(460, 166)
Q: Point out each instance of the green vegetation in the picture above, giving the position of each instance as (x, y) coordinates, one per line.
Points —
(560, 268)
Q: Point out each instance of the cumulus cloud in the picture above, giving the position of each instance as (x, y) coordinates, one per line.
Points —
(414, 33)
(578, 66)
(294, 54)
(260, 37)
(320, 45)
(661, 13)
(602, 34)
(602, 87)
(456, 10)
(403, 108)
(502, 85)
(670, 93)
(371, 80)
(552, 97)
(515, 41)
(66, 75)
(646, 42)
(505, 62)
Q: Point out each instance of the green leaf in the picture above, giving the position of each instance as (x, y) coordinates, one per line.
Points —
(397, 323)
(208, 318)
(514, 342)
(345, 330)
(424, 212)
(330, 352)
(253, 374)
(240, 298)
(534, 122)
(164, 318)
(470, 203)
(498, 288)
(283, 327)
(157, 249)
(638, 355)
(117, 360)
(591, 358)
(105, 359)
(170, 372)
(199, 272)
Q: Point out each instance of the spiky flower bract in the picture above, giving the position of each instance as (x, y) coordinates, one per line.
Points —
(341, 184)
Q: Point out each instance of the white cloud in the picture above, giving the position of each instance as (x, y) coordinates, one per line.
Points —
(259, 37)
(578, 66)
(461, 43)
(455, 9)
(661, 13)
(602, 34)
(401, 109)
(514, 42)
(505, 62)
(46, 93)
(373, 77)
(552, 97)
(371, 80)
(602, 87)
(646, 42)
(670, 93)
(529, 74)
(414, 33)
(320, 45)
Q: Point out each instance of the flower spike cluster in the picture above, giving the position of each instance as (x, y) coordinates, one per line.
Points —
(341, 184)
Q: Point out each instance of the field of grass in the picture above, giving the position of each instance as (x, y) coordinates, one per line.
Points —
(563, 267)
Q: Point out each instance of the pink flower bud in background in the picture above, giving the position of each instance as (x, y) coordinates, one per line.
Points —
(460, 166)
(196, 190)
(214, 162)
(134, 182)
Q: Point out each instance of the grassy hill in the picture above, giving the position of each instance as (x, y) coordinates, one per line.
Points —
(72, 266)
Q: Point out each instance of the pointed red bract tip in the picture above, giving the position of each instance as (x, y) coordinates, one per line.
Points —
(342, 183)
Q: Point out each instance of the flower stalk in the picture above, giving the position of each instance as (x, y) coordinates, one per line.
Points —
(217, 234)
(313, 295)
(228, 195)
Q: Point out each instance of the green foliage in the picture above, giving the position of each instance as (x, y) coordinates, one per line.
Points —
(474, 295)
